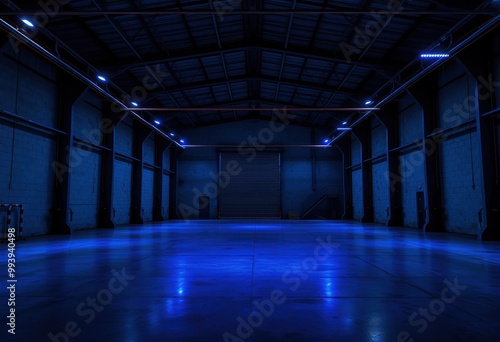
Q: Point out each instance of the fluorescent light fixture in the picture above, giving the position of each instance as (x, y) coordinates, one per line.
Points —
(369, 102)
(135, 104)
(326, 141)
(27, 22)
(434, 55)
(344, 123)
(172, 134)
(182, 141)
(344, 129)
(157, 122)
(102, 78)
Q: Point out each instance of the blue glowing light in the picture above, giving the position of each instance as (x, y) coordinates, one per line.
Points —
(27, 22)
(434, 55)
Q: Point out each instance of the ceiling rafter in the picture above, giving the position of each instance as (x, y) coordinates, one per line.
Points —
(222, 57)
(246, 78)
(252, 60)
(285, 46)
(116, 27)
(209, 51)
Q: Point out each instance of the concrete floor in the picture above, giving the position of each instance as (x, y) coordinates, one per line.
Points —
(255, 281)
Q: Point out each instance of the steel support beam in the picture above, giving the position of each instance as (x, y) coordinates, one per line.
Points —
(70, 90)
(141, 133)
(389, 118)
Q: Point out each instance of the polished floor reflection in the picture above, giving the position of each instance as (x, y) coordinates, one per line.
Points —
(255, 281)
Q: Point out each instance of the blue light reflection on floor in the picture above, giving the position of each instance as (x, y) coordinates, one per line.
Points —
(194, 279)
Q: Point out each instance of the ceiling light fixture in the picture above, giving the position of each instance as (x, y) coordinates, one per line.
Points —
(434, 55)
(157, 122)
(101, 78)
(344, 129)
(369, 102)
(135, 104)
(182, 141)
(27, 22)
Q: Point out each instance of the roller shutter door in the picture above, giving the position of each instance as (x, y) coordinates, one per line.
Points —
(256, 191)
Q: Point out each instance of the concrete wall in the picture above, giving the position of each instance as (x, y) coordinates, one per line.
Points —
(26, 175)
(86, 170)
(84, 191)
(356, 179)
(148, 178)
(28, 89)
(166, 184)
(122, 186)
(459, 154)
(355, 151)
(378, 137)
(412, 173)
(357, 195)
(380, 191)
(460, 176)
(122, 191)
(147, 194)
(381, 205)
(196, 165)
(496, 70)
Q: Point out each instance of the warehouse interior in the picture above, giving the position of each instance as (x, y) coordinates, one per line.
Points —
(245, 170)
